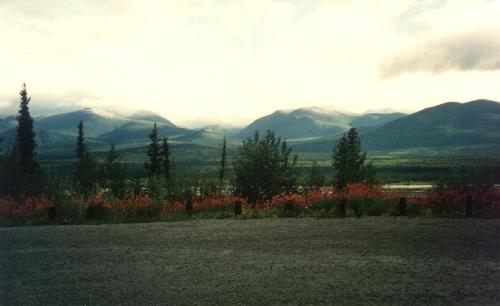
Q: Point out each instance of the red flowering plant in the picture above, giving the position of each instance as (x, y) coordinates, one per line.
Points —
(363, 191)
(368, 199)
(134, 207)
(318, 196)
(99, 200)
(450, 200)
(443, 201)
(98, 207)
(216, 203)
(495, 201)
(26, 210)
(218, 206)
(294, 204)
(287, 204)
(487, 201)
(173, 207)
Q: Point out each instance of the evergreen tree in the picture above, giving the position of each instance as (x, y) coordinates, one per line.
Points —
(81, 148)
(349, 161)
(222, 162)
(165, 159)
(115, 173)
(20, 173)
(86, 166)
(153, 165)
(264, 168)
(25, 136)
(2, 170)
(1, 138)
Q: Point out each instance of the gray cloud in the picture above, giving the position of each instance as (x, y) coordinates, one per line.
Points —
(479, 50)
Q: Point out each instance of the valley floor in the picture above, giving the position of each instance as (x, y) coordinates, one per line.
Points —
(368, 261)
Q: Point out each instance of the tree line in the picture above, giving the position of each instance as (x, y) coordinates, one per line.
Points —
(263, 167)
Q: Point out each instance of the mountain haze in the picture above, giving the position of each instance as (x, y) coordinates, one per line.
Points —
(204, 136)
(375, 119)
(8, 123)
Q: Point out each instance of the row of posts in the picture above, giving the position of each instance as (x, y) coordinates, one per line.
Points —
(92, 212)
(469, 206)
(238, 207)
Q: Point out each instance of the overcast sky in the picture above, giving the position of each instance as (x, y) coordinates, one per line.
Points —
(232, 61)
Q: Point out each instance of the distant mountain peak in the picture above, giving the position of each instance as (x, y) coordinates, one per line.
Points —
(149, 116)
(483, 101)
(301, 122)
(447, 124)
(323, 111)
(101, 112)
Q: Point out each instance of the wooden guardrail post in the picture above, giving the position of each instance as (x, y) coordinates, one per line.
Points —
(402, 206)
(189, 207)
(342, 207)
(238, 209)
(52, 213)
(469, 206)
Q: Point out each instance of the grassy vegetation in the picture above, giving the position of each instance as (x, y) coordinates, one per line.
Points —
(391, 167)
(369, 261)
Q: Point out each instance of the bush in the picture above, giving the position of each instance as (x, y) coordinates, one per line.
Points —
(71, 211)
(264, 168)
(98, 208)
(26, 211)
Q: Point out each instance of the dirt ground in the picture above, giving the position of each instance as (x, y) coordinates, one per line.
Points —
(368, 261)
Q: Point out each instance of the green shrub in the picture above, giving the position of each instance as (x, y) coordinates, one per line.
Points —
(326, 205)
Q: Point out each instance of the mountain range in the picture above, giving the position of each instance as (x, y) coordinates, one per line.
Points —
(314, 122)
(311, 129)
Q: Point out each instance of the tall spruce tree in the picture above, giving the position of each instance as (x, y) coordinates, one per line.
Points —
(81, 148)
(153, 165)
(86, 166)
(349, 161)
(1, 138)
(222, 169)
(165, 159)
(20, 174)
(25, 136)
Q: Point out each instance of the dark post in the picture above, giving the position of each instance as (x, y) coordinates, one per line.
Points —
(91, 212)
(52, 213)
(402, 206)
(237, 208)
(189, 207)
(342, 206)
(289, 206)
(469, 206)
